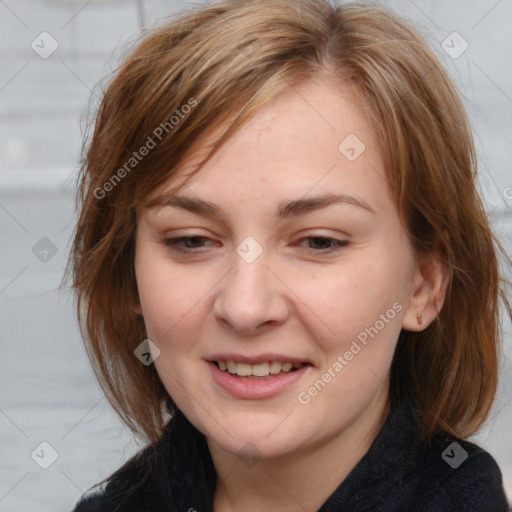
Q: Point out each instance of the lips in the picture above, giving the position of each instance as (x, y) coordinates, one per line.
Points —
(253, 387)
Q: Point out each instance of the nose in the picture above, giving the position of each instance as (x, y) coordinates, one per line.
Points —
(251, 298)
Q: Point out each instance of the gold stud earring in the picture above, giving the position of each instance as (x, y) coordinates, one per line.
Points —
(420, 320)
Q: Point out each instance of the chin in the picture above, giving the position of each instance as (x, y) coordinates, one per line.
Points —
(253, 436)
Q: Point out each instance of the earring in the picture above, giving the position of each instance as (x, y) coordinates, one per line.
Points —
(420, 321)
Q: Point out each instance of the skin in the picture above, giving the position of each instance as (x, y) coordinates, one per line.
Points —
(291, 300)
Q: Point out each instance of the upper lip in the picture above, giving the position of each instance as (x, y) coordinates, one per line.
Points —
(260, 358)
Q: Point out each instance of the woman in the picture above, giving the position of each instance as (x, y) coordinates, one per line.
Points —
(272, 270)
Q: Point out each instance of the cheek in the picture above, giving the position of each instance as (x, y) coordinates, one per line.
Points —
(158, 290)
(166, 307)
(358, 313)
(171, 300)
(352, 295)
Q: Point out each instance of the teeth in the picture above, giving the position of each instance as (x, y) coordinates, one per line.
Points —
(287, 367)
(257, 370)
(275, 367)
(243, 369)
(260, 370)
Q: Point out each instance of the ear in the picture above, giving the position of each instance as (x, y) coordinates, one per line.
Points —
(430, 282)
(137, 309)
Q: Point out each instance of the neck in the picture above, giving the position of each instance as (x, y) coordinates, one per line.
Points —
(305, 477)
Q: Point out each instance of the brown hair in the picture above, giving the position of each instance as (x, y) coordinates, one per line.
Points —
(230, 58)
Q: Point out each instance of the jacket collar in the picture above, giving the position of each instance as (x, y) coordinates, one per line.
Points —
(186, 475)
(189, 472)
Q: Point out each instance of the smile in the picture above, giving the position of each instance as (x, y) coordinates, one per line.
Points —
(254, 387)
(264, 369)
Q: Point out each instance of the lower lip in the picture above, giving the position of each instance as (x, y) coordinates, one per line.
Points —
(255, 388)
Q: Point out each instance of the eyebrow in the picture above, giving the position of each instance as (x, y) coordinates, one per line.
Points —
(286, 209)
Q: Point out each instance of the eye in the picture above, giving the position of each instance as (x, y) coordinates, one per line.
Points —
(333, 243)
(190, 244)
(176, 244)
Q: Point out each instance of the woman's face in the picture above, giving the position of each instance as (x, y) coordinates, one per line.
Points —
(285, 274)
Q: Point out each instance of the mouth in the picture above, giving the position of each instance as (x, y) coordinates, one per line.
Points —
(259, 371)
(256, 377)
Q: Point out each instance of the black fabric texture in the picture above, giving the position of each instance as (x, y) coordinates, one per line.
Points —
(398, 474)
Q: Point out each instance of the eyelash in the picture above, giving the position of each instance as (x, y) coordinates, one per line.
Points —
(173, 244)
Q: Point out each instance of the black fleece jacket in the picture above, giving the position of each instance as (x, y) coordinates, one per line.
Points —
(397, 474)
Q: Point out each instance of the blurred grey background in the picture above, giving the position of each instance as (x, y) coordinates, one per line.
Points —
(52, 53)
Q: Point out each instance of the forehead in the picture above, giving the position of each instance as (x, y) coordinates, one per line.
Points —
(312, 136)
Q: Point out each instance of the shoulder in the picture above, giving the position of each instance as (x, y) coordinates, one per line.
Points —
(131, 487)
(165, 475)
(459, 475)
